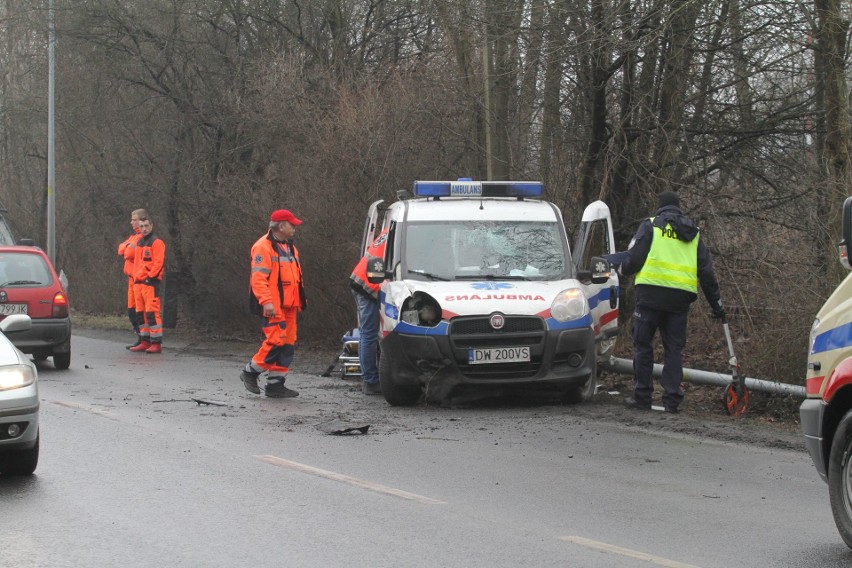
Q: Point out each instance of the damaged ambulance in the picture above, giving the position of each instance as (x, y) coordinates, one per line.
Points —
(480, 291)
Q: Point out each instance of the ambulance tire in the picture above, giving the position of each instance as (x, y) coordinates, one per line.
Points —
(840, 478)
(576, 395)
(394, 394)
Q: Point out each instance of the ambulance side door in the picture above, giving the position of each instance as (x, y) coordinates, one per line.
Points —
(595, 238)
(371, 226)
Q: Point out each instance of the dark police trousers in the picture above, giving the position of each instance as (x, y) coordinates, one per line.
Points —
(672, 326)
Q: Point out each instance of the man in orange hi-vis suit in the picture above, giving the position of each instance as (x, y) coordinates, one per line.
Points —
(148, 266)
(276, 295)
(127, 250)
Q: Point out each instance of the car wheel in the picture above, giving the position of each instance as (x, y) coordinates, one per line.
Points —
(395, 394)
(62, 360)
(840, 478)
(576, 395)
(21, 462)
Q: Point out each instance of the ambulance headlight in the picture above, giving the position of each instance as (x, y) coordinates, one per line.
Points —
(421, 309)
(569, 305)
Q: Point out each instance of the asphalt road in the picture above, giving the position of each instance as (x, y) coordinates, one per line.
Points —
(133, 473)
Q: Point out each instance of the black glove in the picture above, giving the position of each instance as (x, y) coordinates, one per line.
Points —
(718, 310)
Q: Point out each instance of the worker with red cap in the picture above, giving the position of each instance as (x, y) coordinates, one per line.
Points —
(276, 295)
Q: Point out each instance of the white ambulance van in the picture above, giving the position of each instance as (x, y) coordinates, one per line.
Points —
(480, 290)
(826, 414)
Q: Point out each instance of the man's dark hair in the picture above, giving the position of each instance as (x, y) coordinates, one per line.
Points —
(668, 198)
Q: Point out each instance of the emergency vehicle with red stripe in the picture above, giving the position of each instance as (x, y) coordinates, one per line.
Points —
(826, 413)
(480, 289)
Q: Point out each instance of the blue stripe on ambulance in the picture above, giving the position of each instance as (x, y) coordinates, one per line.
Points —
(837, 338)
(409, 329)
(601, 297)
(585, 321)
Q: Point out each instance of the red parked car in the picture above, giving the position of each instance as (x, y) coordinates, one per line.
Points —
(29, 285)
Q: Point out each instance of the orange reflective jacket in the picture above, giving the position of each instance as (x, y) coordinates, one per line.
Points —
(150, 258)
(127, 250)
(359, 274)
(276, 275)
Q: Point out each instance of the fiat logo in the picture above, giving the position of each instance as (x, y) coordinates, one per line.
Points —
(497, 321)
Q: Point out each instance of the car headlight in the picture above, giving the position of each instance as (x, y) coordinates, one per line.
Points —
(421, 309)
(16, 376)
(812, 337)
(569, 305)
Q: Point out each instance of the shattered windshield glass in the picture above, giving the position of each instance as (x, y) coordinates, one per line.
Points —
(460, 250)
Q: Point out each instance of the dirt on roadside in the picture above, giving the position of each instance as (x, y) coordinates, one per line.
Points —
(770, 421)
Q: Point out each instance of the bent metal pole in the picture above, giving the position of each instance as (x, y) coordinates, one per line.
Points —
(625, 367)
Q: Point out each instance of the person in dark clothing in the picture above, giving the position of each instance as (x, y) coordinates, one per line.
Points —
(670, 262)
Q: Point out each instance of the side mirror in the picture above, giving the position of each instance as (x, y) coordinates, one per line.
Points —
(17, 322)
(846, 234)
(376, 270)
(597, 273)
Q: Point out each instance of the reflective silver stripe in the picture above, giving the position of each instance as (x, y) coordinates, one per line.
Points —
(263, 270)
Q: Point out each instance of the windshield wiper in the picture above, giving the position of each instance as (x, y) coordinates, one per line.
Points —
(490, 277)
(19, 283)
(429, 275)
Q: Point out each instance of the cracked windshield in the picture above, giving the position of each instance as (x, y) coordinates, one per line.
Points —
(494, 249)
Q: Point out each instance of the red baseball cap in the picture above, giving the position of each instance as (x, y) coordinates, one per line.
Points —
(281, 215)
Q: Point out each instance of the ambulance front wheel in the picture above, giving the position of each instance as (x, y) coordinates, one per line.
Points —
(395, 394)
(840, 478)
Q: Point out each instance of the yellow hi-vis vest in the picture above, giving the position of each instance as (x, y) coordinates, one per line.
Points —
(671, 263)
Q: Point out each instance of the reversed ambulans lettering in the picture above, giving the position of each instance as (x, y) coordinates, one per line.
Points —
(480, 289)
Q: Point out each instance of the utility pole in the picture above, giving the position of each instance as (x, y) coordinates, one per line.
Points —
(51, 135)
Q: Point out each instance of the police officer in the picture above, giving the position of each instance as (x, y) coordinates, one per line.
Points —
(276, 296)
(367, 299)
(670, 262)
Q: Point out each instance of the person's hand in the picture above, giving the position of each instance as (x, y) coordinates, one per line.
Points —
(718, 311)
(268, 310)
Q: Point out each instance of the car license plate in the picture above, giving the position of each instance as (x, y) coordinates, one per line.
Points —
(498, 355)
(12, 309)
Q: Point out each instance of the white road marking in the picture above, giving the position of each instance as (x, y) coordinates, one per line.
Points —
(296, 466)
(597, 545)
(89, 409)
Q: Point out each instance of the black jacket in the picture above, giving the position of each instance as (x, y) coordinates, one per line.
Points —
(633, 259)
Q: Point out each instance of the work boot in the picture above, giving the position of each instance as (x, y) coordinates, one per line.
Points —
(250, 381)
(155, 348)
(276, 389)
(143, 346)
(636, 405)
(138, 341)
(371, 388)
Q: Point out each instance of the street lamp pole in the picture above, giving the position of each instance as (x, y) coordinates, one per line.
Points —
(51, 135)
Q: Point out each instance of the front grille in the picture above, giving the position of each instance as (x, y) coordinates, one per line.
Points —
(477, 333)
(514, 324)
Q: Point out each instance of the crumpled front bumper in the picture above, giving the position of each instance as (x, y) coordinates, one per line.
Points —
(559, 358)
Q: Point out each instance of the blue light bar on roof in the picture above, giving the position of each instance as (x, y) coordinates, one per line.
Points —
(467, 188)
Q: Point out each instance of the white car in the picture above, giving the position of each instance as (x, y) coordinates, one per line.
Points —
(19, 433)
